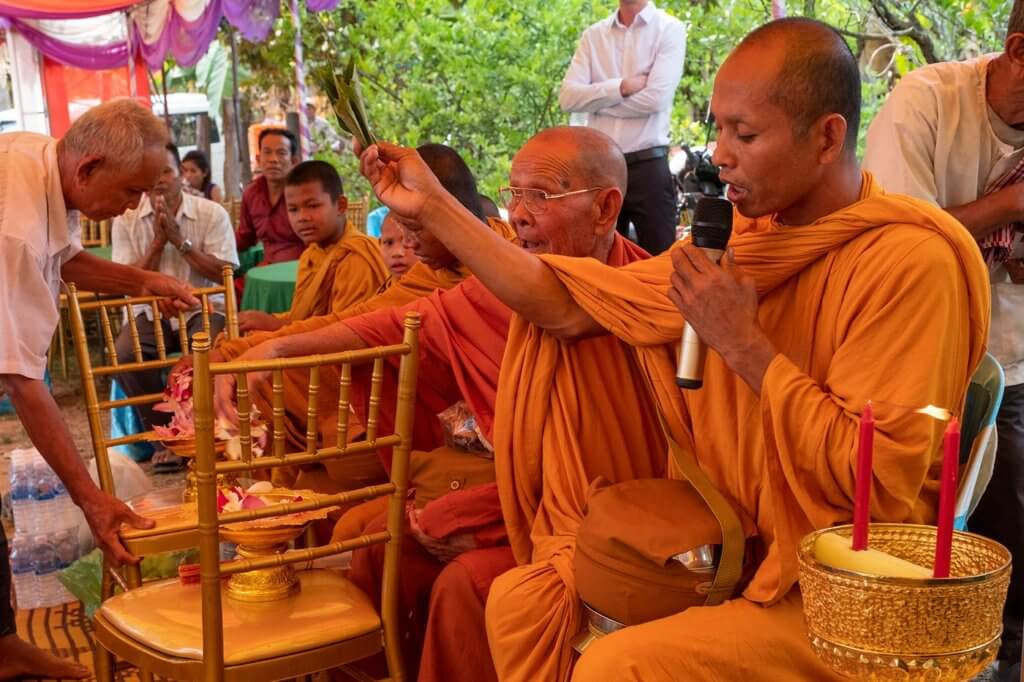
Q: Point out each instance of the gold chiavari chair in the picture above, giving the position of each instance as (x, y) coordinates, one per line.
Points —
(234, 210)
(109, 310)
(357, 211)
(207, 631)
(95, 232)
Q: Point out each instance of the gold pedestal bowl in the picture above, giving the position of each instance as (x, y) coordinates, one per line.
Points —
(264, 584)
(880, 628)
(187, 450)
(268, 537)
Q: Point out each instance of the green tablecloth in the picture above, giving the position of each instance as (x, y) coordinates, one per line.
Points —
(270, 287)
(103, 252)
(249, 259)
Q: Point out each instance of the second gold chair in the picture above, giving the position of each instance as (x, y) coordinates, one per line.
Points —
(207, 632)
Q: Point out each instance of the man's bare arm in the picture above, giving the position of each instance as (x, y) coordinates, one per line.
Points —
(983, 216)
(48, 432)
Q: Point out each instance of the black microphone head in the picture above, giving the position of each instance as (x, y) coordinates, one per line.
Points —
(712, 223)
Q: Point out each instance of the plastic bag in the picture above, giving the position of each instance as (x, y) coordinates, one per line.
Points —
(462, 432)
(84, 577)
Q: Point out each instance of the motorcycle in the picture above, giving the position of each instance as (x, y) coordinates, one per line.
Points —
(694, 177)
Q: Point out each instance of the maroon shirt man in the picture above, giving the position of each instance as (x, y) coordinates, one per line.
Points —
(264, 217)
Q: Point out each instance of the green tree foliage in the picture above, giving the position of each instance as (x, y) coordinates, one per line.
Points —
(483, 75)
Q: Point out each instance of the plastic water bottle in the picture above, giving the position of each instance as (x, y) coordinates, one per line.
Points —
(21, 492)
(41, 519)
(23, 572)
(46, 563)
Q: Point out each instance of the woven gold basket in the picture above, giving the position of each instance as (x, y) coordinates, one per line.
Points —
(876, 628)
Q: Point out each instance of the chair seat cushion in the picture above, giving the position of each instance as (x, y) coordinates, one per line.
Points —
(167, 616)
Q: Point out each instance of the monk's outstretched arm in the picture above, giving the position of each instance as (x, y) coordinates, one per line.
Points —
(333, 338)
(518, 278)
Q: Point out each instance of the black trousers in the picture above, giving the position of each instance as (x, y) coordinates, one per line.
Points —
(1000, 514)
(650, 204)
(151, 381)
(7, 624)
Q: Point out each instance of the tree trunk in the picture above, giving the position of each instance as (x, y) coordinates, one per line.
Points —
(203, 130)
(232, 158)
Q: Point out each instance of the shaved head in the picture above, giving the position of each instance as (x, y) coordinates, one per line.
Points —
(595, 161)
(818, 74)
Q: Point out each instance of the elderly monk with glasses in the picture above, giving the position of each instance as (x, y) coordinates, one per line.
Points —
(457, 543)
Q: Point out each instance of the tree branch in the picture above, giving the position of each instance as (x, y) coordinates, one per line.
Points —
(915, 31)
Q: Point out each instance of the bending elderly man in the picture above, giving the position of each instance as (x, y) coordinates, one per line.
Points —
(835, 294)
(568, 184)
(110, 157)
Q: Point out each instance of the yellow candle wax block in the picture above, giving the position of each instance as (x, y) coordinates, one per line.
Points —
(835, 550)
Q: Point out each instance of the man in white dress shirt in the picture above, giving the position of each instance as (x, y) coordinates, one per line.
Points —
(111, 155)
(624, 76)
(953, 134)
(178, 234)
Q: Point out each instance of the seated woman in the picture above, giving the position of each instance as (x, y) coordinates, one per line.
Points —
(195, 169)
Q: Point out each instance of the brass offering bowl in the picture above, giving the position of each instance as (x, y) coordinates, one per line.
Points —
(187, 449)
(880, 628)
(265, 584)
(267, 537)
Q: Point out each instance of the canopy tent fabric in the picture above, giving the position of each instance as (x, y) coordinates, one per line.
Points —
(158, 29)
(61, 9)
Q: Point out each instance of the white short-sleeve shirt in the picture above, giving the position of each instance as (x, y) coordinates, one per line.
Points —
(203, 222)
(38, 235)
(936, 138)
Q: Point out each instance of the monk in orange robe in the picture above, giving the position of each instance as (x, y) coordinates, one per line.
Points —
(437, 269)
(573, 180)
(340, 265)
(834, 294)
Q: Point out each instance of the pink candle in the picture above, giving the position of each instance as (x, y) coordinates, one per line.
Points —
(862, 495)
(947, 499)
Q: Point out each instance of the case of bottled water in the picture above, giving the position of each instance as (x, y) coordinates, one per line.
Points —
(46, 534)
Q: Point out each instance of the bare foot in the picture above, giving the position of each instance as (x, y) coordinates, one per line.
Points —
(18, 657)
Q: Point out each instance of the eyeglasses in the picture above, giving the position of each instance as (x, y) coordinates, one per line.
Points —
(535, 200)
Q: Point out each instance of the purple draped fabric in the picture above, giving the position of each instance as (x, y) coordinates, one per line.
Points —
(96, 57)
(322, 5)
(252, 18)
(187, 41)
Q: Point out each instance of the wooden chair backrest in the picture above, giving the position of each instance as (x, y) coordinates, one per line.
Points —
(234, 209)
(357, 211)
(207, 469)
(107, 309)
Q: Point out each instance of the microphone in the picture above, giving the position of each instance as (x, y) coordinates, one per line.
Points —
(711, 229)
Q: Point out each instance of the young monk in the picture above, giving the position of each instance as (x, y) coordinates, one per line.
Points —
(397, 255)
(835, 294)
(340, 265)
(569, 183)
(437, 269)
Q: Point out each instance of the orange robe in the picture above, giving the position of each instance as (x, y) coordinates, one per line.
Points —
(356, 470)
(345, 273)
(884, 300)
(462, 342)
(419, 281)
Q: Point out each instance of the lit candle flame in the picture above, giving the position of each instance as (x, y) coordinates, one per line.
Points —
(935, 412)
